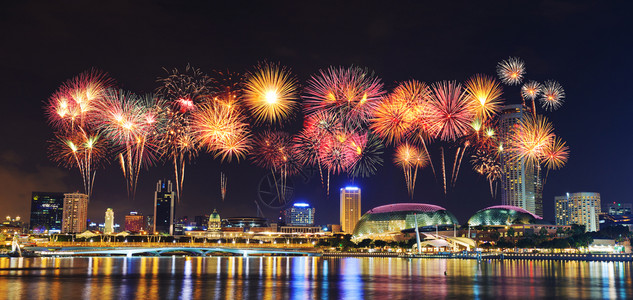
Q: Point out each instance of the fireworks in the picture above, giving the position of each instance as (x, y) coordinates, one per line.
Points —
(448, 114)
(410, 158)
(364, 150)
(511, 71)
(130, 123)
(223, 185)
(271, 93)
(222, 130)
(552, 96)
(401, 112)
(530, 138)
(184, 90)
(485, 96)
(74, 100)
(352, 93)
(531, 90)
(555, 154)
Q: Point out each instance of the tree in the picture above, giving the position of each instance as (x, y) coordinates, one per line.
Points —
(364, 243)
(511, 232)
(543, 232)
(380, 243)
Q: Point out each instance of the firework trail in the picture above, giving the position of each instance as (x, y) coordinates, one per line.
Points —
(363, 150)
(274, 150)
(270, 93)
(183, 92)
(80, 150)
(223, 180)
(511, 71)
(409, 158)
(531, 90)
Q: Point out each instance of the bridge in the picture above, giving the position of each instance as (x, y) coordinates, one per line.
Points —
(158, 251)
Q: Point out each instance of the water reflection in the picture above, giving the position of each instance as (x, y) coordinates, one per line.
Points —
(309, 277)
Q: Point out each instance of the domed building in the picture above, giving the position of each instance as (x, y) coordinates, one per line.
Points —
(215, 223)
(388, 221)
(503, 215)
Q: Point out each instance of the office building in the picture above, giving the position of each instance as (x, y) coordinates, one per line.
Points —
(521, 184)
(299, 214)
(164, 207)
(350, 208)
(47, 212)
(618, 209)
(578, 208)
(75, 214)
(108, 227)
(135, 222)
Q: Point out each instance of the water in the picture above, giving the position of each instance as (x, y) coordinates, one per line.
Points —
(309, 278)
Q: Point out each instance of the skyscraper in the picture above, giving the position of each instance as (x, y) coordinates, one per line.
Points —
(164, 207)
(108, 227)
(299, 214)
(75, 212)
(47, 212)
(350, 208)
(134, 222)
(578, 208)
(521, 184)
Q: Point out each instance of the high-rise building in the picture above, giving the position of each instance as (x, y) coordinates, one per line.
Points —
(134, 222)
(164, 207)
(108, 227)
(350, 208)
(521, 184)
(299, 214)
(578, 208)
(75, 213)
(47, 212)
(215, 223)
(618, 209)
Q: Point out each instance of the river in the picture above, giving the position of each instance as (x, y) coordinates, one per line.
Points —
(309, 278)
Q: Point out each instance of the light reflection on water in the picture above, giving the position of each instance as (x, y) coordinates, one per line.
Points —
(309, 278)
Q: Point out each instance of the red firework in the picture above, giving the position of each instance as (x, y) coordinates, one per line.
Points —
(448, 114)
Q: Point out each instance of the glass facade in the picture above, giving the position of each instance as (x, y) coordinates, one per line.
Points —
(164, 207)
(47, 212)
(385, 221)
(502, 215)
(300, 214)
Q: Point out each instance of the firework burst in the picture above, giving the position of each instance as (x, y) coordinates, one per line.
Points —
(449, 113)
(364, 153)
(485, 96)
(555, 154)
(531, 90)
(353, 93)
(530, 139)
(553, 95)
(222, 130)
(270, 93)
(511, 71)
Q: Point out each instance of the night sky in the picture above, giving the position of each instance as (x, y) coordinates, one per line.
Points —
(586, 46)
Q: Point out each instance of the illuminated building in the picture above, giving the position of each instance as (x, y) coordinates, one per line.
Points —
(75, 213)
(502, 215)
(388, 222)
(618, 209)
(350, 208)
(47, 212)
(134, 222)
(109, 221)
(521, 185)
(215, 223)
(299, 214)
(578, 208)
(245, 222)
(164, 207)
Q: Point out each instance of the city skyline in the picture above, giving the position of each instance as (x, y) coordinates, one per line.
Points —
(35, 172)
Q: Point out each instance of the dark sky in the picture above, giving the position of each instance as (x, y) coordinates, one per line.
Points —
(586, 46)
